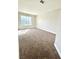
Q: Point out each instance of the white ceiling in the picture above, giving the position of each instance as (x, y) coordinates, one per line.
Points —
(35, 7)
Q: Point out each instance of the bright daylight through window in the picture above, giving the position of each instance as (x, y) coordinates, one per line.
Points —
(25, 20)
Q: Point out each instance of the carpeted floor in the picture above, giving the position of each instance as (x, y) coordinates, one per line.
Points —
(37, 44)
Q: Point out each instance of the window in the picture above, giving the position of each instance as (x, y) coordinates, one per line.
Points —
(26, 20)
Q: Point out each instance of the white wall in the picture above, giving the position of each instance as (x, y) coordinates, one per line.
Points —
(50, 21)
(58, 34)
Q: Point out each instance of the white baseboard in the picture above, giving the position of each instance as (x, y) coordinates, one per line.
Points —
(46, 30)
(57, 50)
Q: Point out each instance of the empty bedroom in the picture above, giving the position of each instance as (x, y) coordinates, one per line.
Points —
(39, 29)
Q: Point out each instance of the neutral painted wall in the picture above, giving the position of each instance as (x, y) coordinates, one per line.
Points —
(58, 32)
(33, 20)
(50, 21)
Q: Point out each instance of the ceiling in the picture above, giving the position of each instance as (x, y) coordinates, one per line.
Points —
(35, 7)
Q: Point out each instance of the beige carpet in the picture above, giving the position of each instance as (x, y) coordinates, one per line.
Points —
(37, 44)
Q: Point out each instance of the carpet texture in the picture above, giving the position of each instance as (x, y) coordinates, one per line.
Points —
(37, 44)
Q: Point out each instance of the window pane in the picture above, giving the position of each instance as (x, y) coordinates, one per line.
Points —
(26, 20)
(30, 21)
(23, 20)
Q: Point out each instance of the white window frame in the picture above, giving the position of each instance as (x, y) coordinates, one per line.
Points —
(28, 21)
